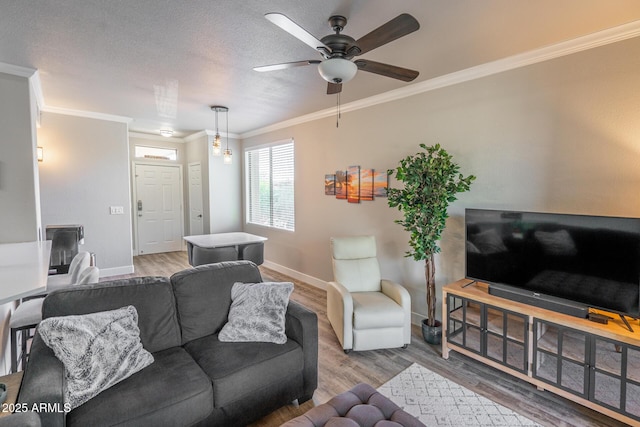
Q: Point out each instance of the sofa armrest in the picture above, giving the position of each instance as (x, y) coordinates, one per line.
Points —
(42, 383)
(301, 325)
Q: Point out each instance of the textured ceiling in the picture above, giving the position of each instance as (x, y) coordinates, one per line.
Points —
(163, 63)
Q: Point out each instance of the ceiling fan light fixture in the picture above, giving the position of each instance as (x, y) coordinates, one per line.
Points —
(337, 70)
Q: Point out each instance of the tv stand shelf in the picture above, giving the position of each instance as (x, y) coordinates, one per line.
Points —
(590, 363)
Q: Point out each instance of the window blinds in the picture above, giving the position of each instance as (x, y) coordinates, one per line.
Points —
(270, 186)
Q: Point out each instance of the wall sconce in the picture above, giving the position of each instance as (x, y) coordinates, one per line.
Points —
(40, 153)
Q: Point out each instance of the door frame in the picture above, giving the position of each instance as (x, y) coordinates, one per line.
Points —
(188, 184)
(134, 204)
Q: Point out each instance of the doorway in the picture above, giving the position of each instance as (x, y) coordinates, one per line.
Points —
(158, 208)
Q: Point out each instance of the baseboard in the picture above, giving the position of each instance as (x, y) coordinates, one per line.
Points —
(116, 271)
(313, 281)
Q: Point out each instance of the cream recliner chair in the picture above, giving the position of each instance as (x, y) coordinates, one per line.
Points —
(366, 312)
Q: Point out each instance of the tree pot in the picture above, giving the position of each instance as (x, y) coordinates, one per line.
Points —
(432, 334)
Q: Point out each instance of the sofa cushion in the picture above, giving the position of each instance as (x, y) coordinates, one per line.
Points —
(257, 313)
(240, 369)
(173, 391)
(98, 350)
(151, 296)
(203, 295)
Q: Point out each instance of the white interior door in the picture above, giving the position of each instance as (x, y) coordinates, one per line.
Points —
(196, 226)
(158, 208)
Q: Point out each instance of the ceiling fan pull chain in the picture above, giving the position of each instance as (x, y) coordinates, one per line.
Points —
(338, 115)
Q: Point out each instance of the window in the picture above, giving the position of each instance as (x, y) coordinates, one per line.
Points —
(269, 181)
(156, 153)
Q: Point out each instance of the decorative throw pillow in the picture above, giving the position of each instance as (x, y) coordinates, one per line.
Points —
(556, 243)
(257, 312)
(97, 350)
(489, 242)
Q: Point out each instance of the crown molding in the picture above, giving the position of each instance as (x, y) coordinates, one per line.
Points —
(155, 137)
(16, 70)
(579, 44)
(209, 132)
(31, 74)
(87, 114)
(36, 85)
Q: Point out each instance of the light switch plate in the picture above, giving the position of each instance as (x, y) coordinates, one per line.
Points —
(116, 210)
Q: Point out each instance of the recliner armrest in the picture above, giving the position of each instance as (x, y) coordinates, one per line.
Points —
(340, 313)
(43, 383)
(401, 296)
(301, 325)
(396, 292)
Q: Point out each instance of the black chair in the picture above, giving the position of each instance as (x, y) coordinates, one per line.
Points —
(202, 256)
(253, 252)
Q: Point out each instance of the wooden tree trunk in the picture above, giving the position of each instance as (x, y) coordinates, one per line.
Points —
(430, 273)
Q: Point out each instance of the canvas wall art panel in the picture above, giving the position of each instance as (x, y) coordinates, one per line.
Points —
(380, 183)
(341, 184)
(330, 184)
(366, 184)
(353, 184)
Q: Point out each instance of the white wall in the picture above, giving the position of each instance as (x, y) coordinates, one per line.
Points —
(561, 136)
(86, 170)
(19, 207)
(19, 212)
(225, 190)
(221, 183)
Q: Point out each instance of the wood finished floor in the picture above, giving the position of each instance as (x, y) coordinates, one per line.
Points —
(339, 372)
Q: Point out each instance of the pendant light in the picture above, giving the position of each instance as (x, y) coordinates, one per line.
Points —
(227, 151)
(217, 141)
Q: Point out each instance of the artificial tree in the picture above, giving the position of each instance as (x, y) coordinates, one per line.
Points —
(431, 181)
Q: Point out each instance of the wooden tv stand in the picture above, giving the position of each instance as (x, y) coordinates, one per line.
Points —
(593, 364)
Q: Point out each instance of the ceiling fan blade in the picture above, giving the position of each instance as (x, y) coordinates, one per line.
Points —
(387, 70)
(296, 30)
(333, 88)
(286, 65)
(398, 27)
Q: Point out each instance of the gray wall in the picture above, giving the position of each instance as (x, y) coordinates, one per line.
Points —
(19, 210)
(558, 136)
(86, 170)
(19, 193)
(221, 184)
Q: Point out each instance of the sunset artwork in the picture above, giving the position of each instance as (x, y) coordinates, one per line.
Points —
(341, 185)
(366, 184)
(356, 184)
(380, 184)
(330, 184)
(353, 184)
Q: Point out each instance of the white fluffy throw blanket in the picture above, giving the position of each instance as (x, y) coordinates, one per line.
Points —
(97, 350)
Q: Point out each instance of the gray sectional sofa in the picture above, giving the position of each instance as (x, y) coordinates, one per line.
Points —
(195, 380)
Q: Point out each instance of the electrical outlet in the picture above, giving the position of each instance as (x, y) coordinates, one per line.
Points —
(116, 210)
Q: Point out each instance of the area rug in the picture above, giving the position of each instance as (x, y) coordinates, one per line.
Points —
(437, 401)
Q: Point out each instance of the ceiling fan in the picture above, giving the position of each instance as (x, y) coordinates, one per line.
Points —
(339, 49)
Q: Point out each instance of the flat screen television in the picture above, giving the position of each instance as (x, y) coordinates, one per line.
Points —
(563, 262)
